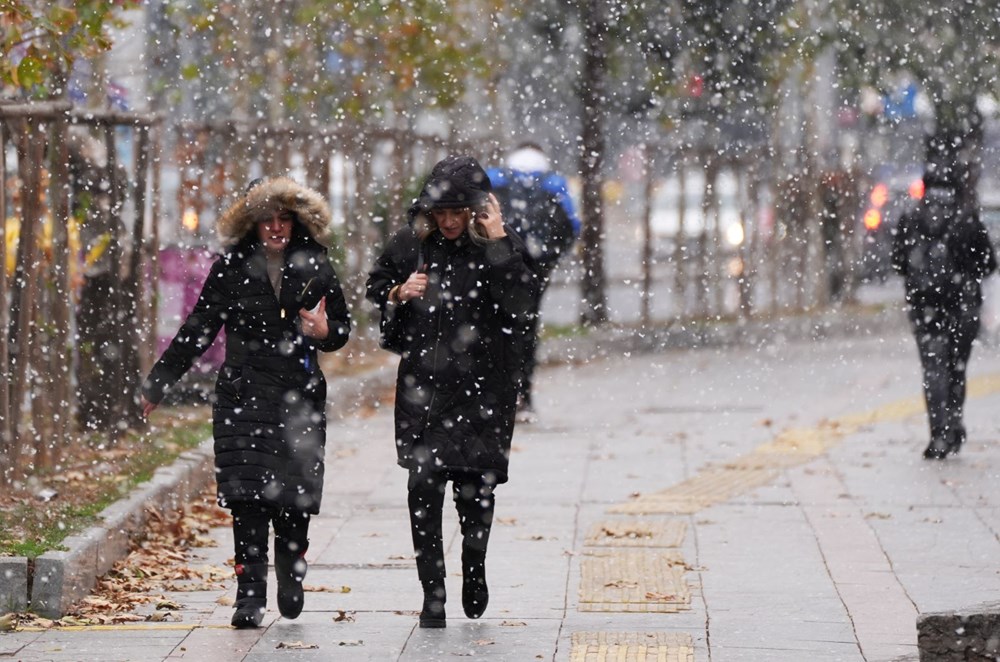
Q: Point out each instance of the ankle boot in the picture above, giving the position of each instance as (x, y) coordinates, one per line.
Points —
(251, 595)
(432, 614)
(290, 567)
(475, 593)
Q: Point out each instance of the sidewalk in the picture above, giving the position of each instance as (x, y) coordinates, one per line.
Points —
(765, 503)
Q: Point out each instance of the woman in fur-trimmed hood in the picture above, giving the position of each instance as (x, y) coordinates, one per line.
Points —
(279, 300)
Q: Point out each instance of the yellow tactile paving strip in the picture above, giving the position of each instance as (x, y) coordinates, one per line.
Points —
(633, 581)
(637, 533)
(631, 647)
(719, 483)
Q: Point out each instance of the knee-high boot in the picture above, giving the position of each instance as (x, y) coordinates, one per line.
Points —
(425, 500)
(250, 530)
(475, 504)
(291, 531)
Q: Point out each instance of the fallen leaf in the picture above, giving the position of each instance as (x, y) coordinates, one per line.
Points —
(660, 597)
(325, 589)
(343, 617)
(295, 645)
(484, 642)
(621, 583)
(168, 604)
(353, 642)
(513, 624)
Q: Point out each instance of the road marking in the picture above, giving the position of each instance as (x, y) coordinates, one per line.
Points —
(631, 647)
(719, 483)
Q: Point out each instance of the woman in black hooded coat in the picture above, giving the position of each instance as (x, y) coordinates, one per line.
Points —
(279, 300)
(454, 288)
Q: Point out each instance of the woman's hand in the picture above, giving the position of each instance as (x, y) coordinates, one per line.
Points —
(314, 325)
(413, 288)
(490, 217)
(147, 406)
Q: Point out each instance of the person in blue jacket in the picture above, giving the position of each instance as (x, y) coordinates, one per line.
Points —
(536, 204)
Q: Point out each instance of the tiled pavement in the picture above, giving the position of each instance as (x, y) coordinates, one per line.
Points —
(765, 504)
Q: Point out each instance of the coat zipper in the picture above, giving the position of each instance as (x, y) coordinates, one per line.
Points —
(437, 345)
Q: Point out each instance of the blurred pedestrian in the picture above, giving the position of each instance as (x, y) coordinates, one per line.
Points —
(943, 252)
(279, 300)
(455, 292)
(536, 204)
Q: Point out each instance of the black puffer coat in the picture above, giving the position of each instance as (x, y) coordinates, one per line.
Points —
(269, 418)
(972, 258)
(457, 379)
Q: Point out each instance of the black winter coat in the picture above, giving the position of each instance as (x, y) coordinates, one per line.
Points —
(463, 353)
(971, 257)
(269, 419)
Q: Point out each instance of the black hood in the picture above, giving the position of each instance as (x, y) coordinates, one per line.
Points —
(455, 182)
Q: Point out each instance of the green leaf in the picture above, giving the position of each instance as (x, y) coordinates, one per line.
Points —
(30, 72)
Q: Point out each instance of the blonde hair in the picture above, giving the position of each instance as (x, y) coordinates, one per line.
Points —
(424, 225)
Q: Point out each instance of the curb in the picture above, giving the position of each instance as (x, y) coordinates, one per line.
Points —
(958, 636)
(59, 578)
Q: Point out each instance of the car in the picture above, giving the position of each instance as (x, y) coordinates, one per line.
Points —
(887, 201)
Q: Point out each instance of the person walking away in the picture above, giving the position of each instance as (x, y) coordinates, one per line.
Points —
(455, 293)
(536, 204)
(943, 253)
(279, 300)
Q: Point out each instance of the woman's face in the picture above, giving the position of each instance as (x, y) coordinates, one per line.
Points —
(451, 222)
(275, 232)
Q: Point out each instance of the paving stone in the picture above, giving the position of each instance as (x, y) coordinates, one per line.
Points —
(637, 533)
(63, 577)
(632, 580)
(13, 584)
(632, 647)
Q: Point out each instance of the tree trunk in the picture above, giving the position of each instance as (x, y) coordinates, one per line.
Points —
(591, 91)
(61, 354)
(646, 256)
(680, 238)
(6, 439)
(25, 290)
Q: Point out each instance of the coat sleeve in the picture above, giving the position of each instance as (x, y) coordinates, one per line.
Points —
(392, 267)
(984, 261)
(194, 337)
(338, 317)
(513, 283)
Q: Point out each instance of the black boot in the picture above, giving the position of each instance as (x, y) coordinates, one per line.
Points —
(251, 595)
(475, 593)
(475, 504)
(251, 525)
(290, 567)
(432, 613)
(425, 500)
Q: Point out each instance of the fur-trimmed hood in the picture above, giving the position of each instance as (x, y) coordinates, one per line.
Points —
(267, 196)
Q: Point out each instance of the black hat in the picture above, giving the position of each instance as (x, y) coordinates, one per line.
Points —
(454, 183)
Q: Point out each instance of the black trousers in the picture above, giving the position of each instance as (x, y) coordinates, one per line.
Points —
(251, 526)
(944, 340)
(531, 342)
(473, 496)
